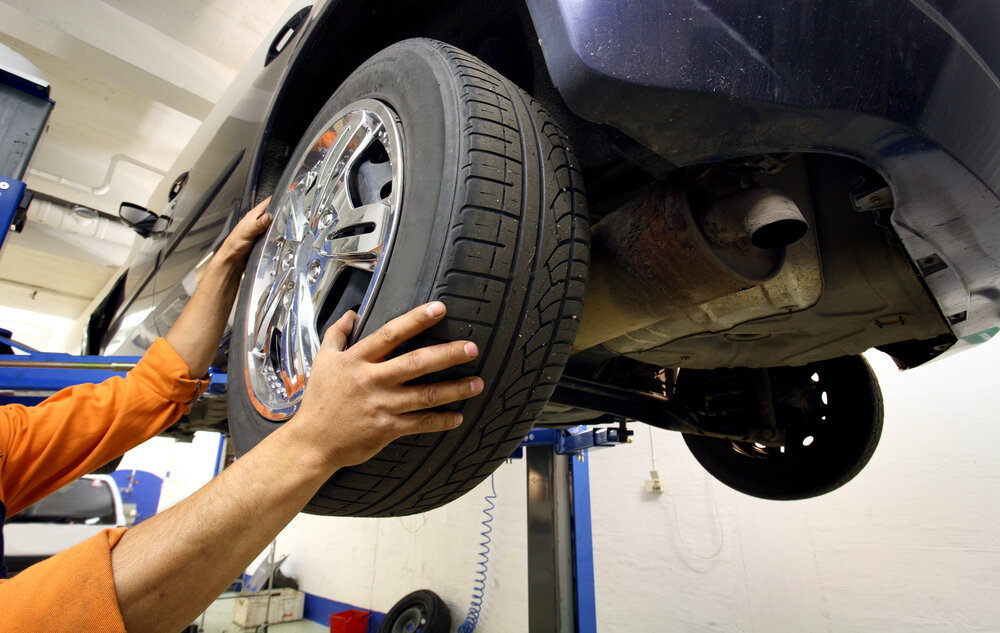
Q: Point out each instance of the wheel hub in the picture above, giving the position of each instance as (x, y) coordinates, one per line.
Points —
(325, 251)
(412, 620)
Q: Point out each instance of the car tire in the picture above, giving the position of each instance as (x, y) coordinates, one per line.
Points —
(490, 218)
(422, 611)
(831, 412)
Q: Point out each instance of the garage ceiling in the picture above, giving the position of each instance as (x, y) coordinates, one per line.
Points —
(132, 81)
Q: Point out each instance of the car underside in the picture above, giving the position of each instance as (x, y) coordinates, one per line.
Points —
(761, 212)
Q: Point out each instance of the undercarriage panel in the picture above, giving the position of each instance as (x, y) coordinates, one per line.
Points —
(846, 287)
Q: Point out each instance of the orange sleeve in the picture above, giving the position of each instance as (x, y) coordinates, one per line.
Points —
(85, 426)
(71, 592)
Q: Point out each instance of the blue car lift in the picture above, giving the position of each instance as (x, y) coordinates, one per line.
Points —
(561, 595)
(24, 109)
(31, 377)
(560, 544)
(12, 200)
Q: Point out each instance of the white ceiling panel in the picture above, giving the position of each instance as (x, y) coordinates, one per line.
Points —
(132, 81)
(108, 40)
(223, 30)
(69, 276)
(96, 118)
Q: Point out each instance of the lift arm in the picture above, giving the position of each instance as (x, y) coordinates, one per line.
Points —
(30, 378)
(652, 409)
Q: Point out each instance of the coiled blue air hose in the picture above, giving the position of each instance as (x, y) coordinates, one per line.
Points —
(479, 586)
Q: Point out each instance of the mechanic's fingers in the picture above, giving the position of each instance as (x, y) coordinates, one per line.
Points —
(339, 333)
(245, 233)
(426, 360)
(263, 221)
(257, 219)
(376, 346)
(417, 397)
(428, 422)
(261, 207)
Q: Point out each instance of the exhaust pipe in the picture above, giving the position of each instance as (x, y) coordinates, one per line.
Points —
(655, 256)
(770, 219)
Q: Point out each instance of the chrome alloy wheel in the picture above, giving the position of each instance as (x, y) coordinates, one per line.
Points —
(324, 252)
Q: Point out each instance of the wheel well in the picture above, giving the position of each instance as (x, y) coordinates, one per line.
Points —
(498, 33)
(100, 319)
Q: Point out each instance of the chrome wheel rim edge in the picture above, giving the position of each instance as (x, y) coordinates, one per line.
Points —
(327, 219)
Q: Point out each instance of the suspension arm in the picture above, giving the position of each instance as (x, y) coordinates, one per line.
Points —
(652, 409)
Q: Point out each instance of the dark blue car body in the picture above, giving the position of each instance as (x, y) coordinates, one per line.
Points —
(908, 89)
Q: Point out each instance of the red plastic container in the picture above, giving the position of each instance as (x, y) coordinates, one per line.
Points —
(350, 621)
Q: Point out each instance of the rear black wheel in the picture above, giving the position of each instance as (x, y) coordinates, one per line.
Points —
(829, 411)
(426, 176)
(422, 611)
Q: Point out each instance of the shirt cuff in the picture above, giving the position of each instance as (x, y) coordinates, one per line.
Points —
(167, 374)
(72, 591)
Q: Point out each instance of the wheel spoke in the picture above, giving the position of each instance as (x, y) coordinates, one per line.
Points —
(364, 135)
(316, 277)
(298, 339)
(295, 212)
(305, 310)
(298, 213)
(336, 203)
(286, 350)
(268, 315)
(356, 238)
(332, 165)
(333, 195)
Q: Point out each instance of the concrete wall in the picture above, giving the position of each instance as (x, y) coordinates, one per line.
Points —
(910, 545)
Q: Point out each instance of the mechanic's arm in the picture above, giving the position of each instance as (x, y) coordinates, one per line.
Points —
(196, 334)
(82, 427)
(169, 568)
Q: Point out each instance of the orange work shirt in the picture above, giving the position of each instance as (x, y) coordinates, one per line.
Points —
(68, 435)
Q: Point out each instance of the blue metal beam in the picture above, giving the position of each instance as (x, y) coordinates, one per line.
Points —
(11, 192)
(576, 439)
(30, 378)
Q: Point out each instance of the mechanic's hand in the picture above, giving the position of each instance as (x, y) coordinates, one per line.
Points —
(236, 247)
(356, 402)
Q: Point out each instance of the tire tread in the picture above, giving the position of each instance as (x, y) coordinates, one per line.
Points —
(523, 201)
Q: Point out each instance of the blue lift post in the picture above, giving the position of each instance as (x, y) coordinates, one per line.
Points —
(11, 195)
(24, 108)
(560, 542)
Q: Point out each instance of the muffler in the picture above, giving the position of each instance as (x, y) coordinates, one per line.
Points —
(654, 256)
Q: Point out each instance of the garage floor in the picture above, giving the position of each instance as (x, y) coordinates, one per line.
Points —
(219, 619)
